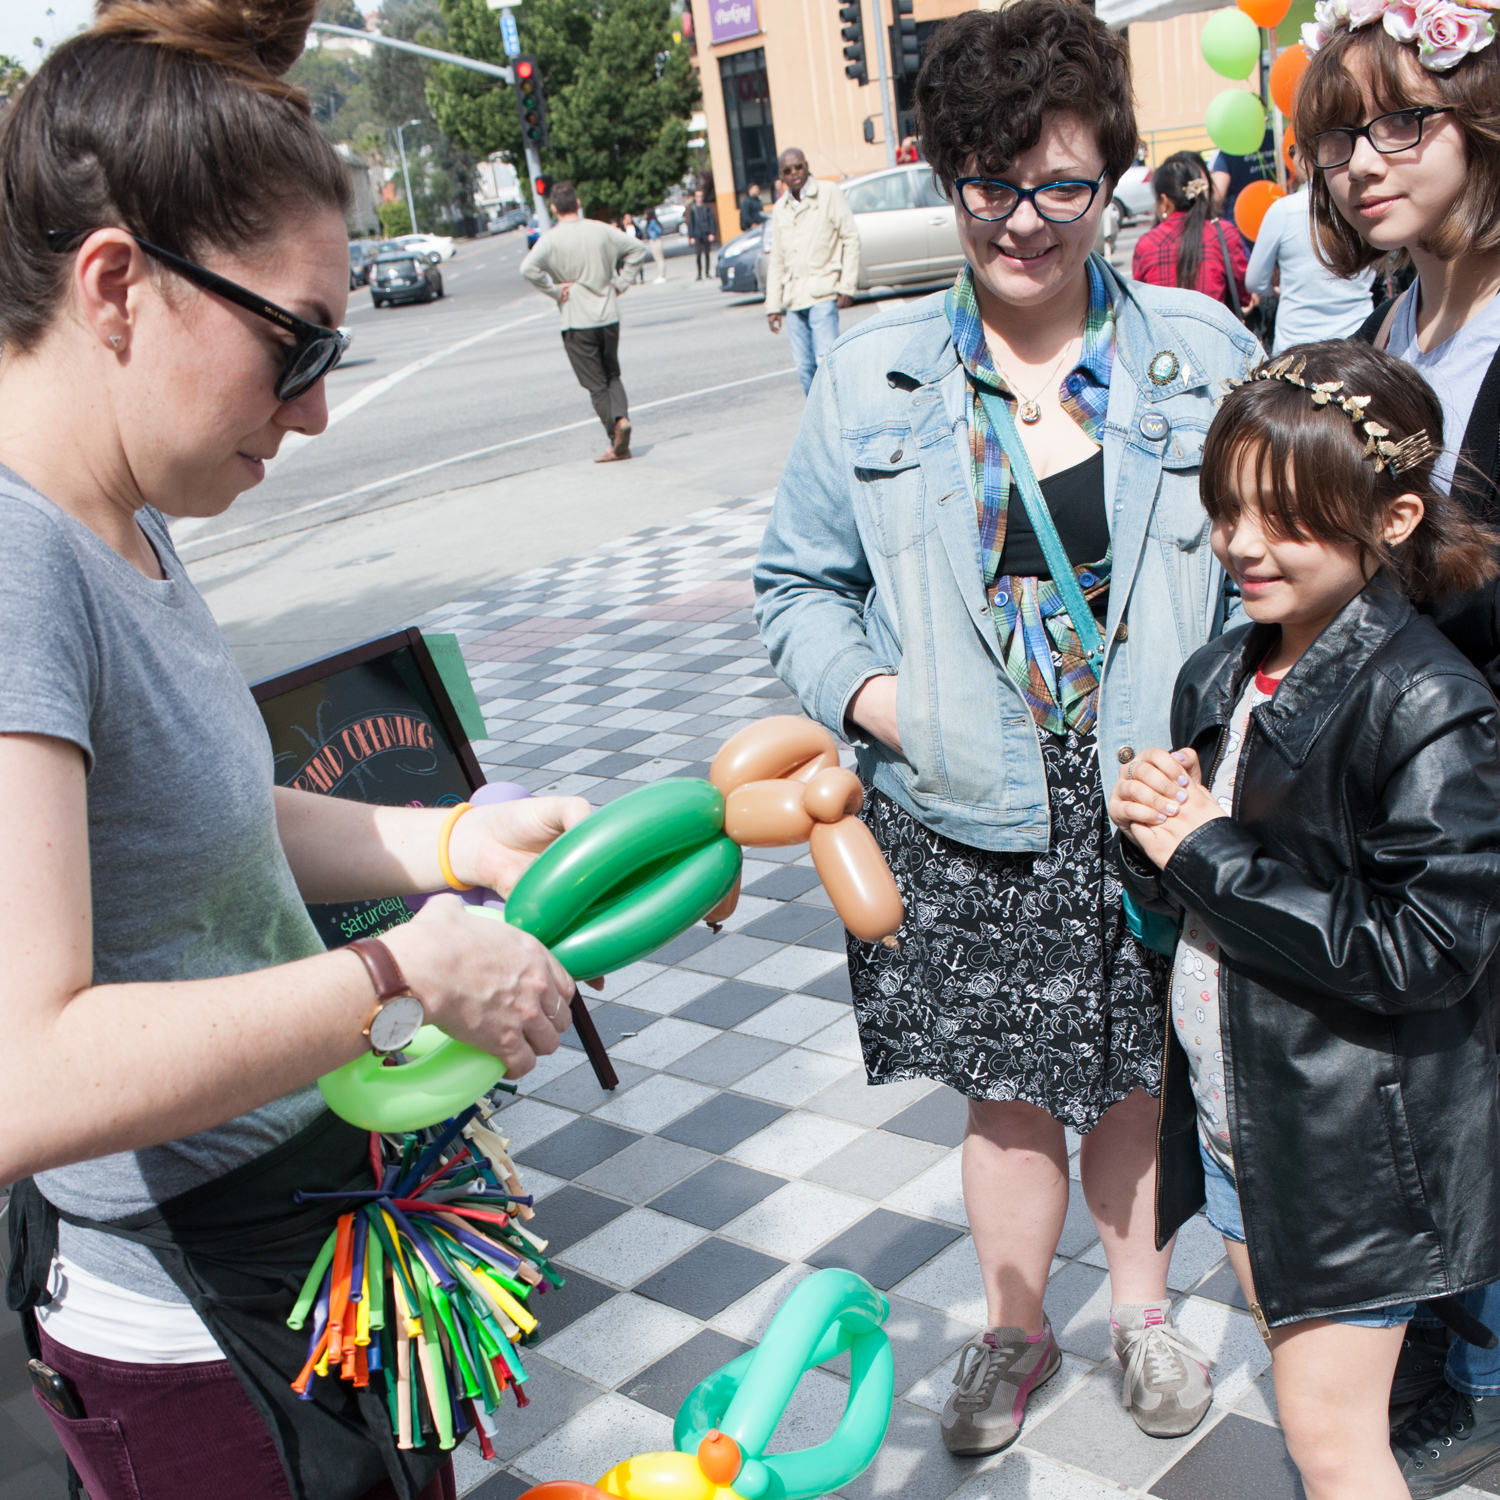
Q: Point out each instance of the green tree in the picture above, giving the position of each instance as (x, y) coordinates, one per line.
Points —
(329, 79)
(12, 76)
(341, 13)
(395, 220)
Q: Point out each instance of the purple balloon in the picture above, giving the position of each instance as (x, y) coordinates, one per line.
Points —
(497, 791)
(488, 795)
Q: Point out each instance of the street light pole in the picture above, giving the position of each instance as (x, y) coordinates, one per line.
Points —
(885, 88)
(411, 207)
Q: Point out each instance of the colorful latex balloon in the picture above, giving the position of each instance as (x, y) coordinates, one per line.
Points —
(562, 1489)
(858, 880)
(1251, 205)
(1235, 119)
(1286, 73)
(1289, 150)
(784, 745)
(768, 814)
(833, 794)
(1230, 44)
(1267, 13)
(493, 792)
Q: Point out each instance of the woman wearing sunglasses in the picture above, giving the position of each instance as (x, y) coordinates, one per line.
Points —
(173, 268)
(986, 562)
(1401, 106)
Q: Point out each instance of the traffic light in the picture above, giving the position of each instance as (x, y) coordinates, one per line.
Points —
(905, 58)
(533, 106)
(853, 33)
(542, 186)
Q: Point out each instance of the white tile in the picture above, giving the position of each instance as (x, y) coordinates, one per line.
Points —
(630, 1248)
(795, 1220)
(793, 1018)
(537, 1184)
(619, 1337)
(1229, 1338)
(671, 990)
(593, 1441)
(524, 1122)
(791, 968)
(951, 1283)
(660, 744)
(937, 1194)
(795, 1143)
(794, 1077)
(1199, 1248)
(815, 1410)
(755, 868)
(623, 981)
(551, 1066)
(839, 1040)
(652, 770)
(470, 1467)
(747, 910)
(1022, 1475)
(663, 1042)
(748, 1319)
(655, 1102)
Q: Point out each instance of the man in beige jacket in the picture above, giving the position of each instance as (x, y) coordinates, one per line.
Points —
(814, 262)
(585, 266)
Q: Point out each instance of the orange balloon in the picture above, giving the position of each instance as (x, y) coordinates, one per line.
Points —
(858, 880)
(767, 814)
(833, 794)
(824, 761)
(1288, 148)
(1286, 74)
(564, 1489)
(770, 747)
(720, 1458)
(1251, 205)
(1267, 14)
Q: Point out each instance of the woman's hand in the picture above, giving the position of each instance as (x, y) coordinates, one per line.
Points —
(492, 846)
(1159, 799)
(486, 983)
(873, 708)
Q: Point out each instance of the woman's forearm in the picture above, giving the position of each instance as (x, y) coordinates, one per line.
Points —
(350, 851)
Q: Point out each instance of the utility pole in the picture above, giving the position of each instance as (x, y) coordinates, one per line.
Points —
(885, 87)
(411, 206)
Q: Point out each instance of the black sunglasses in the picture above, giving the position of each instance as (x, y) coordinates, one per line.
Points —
(315, 353)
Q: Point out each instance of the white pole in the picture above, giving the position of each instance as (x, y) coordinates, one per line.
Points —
(885, 90)
(411, 206)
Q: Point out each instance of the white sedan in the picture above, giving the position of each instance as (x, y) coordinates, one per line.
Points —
(439, 244)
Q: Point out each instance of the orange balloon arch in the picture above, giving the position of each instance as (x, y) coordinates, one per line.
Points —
(1286, 74)
(1267, 14)
(1251, 205)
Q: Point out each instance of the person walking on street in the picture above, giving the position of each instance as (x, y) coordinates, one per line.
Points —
(814, 263)
(752, 210)
(703, 230)
(654, 242)
(631, 226)
(585, 266)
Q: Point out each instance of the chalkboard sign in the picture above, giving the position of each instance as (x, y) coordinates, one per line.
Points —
(373, 724)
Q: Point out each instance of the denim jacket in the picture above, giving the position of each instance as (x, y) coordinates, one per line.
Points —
(870, 562)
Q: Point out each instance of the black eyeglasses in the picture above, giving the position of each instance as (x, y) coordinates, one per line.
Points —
(1057, 202)
(316, 350)
(1398, 131)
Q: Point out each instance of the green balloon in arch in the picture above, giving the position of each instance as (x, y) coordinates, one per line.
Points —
(1236, 122)
(1230, 43)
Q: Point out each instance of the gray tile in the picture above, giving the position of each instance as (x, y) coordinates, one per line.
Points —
(622, 739)
(728, 1004)
(876, 1164)
(645, 1169)
(784, 884)
(709, 1277)
(787, 923)
(572, 1214)
(499, 1486)
(612, 1021)
(855, 1098)
(712, 1197)
(939, 1117)
(613, 765)
(575, 1148)
(1224, 1286)
(834, 985)
(830, 938)
(912, 1463)
(731, 953)
(579, 1089)
(668, 1383)
(1078, 1229)
(885, 1247)
(1078, 1304)
(720, 1124)
(726, 1058)
(694, 940)
(1237, 1460)
(555, 1394)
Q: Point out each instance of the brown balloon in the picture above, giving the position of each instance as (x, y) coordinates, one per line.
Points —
(767, 814)
(818, 764)
(770, 748)
(833, 794)
(725, 909)
(858, 880)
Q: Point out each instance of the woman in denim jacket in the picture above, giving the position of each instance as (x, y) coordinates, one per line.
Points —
(903, 596)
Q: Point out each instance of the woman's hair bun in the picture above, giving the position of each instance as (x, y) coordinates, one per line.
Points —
(259, 39)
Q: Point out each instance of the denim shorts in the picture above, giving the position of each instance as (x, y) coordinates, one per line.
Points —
(1223, 1210)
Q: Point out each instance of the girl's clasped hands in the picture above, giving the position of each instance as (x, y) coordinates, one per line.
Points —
(1159, 799)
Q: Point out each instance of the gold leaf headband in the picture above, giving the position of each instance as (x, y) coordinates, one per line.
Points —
(1397, 457)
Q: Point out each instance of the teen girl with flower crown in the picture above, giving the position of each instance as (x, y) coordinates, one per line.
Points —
(1401, 110)
(1327, 834)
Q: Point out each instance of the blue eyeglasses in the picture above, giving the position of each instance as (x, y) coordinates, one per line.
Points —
(1057, 202)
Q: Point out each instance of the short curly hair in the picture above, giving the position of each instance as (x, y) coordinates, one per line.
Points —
(992, 76)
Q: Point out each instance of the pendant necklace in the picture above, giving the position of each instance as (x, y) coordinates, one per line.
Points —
(1028, 409)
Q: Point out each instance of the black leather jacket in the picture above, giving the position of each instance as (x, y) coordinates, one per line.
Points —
(1354, 897)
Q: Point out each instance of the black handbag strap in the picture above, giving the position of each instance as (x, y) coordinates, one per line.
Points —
(1229, 292)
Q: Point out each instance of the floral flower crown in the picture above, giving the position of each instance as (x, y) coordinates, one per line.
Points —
(1409, 453)
(1444, 31)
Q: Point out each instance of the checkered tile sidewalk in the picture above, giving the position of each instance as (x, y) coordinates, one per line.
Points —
(743, 1147)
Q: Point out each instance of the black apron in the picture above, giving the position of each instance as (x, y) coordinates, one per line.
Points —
(239, 1250)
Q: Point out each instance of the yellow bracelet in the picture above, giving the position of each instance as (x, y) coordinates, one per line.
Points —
(453, 881)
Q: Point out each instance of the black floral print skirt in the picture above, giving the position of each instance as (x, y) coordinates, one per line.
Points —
(1017, 977)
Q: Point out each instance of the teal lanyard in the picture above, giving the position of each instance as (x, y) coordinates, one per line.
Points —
(1063, 576)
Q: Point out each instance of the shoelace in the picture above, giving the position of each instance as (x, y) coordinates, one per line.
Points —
(1158, 1350)
(1433, 1428)
(977, 1378)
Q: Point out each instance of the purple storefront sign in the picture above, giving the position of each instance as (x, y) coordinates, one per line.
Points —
(731, 19)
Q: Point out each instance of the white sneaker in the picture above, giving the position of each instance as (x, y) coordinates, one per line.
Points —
(658, 281)
(1167, 1386)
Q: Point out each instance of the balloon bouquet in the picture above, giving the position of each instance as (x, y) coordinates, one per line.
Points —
(429, 1276)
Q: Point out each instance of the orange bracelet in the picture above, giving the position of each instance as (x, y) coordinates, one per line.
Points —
(453, 881)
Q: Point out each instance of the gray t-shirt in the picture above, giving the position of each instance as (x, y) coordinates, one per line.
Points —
(1455, 369)
(188, 876)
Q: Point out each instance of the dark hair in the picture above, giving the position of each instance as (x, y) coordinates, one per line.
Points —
(169, 119)
(1329, 96)
(1170, 181)
(1317, 481)
(565, 198)
(992, 76)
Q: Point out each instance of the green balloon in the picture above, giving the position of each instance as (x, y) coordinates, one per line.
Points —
(1231, 46)
(1236, 122)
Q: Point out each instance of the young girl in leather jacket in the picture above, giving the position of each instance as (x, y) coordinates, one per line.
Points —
(1327, 831)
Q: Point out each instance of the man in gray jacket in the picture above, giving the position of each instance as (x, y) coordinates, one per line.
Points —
(585, 267)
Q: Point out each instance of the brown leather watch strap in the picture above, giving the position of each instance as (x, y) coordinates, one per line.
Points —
(380, 963)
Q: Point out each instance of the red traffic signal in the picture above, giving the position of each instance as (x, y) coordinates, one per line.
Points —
(525, 69)
(542, 185)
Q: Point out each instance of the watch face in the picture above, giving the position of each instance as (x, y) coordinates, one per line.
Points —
(396, 1023)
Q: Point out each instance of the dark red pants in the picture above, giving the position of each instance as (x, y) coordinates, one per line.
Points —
(174, 1432)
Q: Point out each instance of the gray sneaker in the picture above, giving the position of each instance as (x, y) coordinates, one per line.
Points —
(996, 1374)
(1167, 1387)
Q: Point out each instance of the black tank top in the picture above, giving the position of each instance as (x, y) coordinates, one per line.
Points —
(1075, 499)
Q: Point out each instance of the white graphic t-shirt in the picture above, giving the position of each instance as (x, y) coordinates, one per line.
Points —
(1195, 967)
